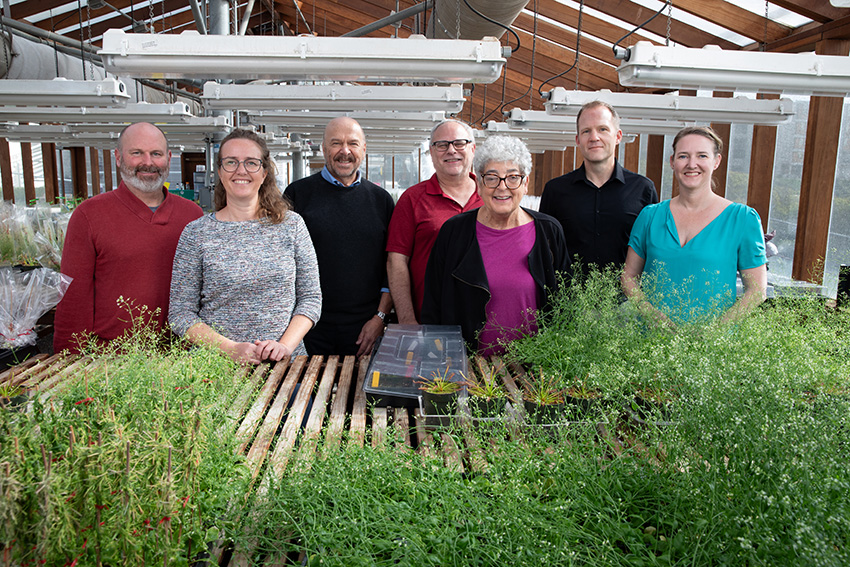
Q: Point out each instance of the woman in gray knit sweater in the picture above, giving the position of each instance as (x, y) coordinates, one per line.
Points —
(245, 278)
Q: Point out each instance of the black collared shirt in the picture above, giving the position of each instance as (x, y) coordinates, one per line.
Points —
(597, 221)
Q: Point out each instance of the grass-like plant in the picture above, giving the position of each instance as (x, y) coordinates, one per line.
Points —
(439, 384)
(542, 388)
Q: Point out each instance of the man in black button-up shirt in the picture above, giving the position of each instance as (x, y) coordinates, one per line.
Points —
(597, 204)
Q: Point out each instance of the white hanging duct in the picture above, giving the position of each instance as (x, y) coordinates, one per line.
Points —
(447, 14)
(667, 106)
(712, 68)
(190, 55)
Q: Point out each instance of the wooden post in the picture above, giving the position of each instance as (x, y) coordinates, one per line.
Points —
(48, 164)
(760, 183)
(95, 172)
(822, 137)
(6, 171)
(655, 160)
(29, 177)
(631, 155)
(78, 173)
(723, 131)
(107, 171)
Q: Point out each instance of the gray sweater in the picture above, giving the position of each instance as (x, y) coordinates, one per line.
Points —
(245, 279)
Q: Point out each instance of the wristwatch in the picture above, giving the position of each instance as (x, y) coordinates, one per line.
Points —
(382, 316)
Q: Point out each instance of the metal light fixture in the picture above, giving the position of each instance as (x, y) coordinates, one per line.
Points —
(712, 68)
(740, 109)
(190, 55)
(539, 141)
(367, 119)
(540, 120)
(344, 98)
(133, 112)
(63, 92)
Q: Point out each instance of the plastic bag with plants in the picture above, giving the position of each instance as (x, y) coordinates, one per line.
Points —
(24, 298)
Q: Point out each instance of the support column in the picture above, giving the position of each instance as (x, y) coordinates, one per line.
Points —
(48, 165)
(724, 131)
(78, 173)
(6, 171)
(29, 177)
(95, 172)
(822, 136)
(762, 156)
(655, 160)
(108, 184)
(631, 155)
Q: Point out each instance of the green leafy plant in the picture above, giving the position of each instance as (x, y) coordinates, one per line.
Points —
(439, 384)
(542, 388)
(488, 385)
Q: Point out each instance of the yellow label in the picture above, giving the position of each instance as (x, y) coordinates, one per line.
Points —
(376, 375)
(409, 357)
(439, 344)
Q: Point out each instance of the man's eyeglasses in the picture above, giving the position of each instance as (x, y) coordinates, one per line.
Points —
(443, 145)
(492, 181)
(251, 165)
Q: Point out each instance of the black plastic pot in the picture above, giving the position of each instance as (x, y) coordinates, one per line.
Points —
(439, 408)
(486, 407)
(545, 414)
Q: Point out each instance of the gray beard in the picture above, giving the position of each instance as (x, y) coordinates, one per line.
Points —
(153, 186)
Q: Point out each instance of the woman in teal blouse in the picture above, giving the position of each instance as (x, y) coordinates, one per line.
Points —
(684, 254)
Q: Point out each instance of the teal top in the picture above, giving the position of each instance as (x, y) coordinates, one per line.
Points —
(698, 281)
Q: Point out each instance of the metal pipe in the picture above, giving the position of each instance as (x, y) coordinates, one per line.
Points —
(243, 26)
(391, 19)
(199, 18)
(44, 34)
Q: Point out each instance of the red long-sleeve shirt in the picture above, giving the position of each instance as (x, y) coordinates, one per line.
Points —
(117, 247)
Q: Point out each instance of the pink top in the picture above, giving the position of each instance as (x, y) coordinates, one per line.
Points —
(511, 311)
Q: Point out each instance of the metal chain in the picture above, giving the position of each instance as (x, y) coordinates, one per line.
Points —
(150, 17)
(457, 19)
(578, 40)
(669, 20)
(764, 41)
(88, 29)
(533, 53)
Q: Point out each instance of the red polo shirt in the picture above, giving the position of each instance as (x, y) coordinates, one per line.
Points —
(420, 212)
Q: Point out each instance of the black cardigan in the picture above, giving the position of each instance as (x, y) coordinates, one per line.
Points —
(456, 287)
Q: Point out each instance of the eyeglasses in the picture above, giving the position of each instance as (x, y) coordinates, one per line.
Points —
(251, 165)
(492, 181)
(443, 145)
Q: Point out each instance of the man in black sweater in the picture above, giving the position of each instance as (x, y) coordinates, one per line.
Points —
(348, 218)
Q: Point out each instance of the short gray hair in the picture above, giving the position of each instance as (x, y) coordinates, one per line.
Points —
(466, 127)
(502, 149)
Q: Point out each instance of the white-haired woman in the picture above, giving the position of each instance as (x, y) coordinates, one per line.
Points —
(493, 268)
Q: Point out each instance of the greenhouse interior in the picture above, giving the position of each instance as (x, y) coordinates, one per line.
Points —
(432, 282)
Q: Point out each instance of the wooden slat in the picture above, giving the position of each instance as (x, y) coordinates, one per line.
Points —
(251, 421)
(30, 378)
(451, 453)
(379, 427)
(631, 155)
(95, 172)
(241, 403)
(289, 434)
(357, 430)
(336, 422)
(424, 440)
(15, 373)
(401, 424)
(819, 161)
(57, 382)
(313, 429)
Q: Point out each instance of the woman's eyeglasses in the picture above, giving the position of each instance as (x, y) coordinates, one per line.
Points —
(492, 181)
(251, 165)
(443, 145)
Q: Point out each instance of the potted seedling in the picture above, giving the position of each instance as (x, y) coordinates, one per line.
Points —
(487, 394)
(543, 397)
(439, 398)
